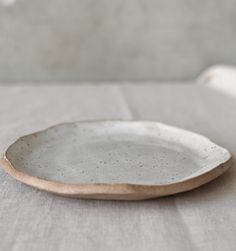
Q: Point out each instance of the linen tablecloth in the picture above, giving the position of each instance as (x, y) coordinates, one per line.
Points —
(202, 219)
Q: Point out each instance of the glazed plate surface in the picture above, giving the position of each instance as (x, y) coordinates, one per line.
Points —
(127, 160)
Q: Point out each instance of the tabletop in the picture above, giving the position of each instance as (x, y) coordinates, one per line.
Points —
(201, 219)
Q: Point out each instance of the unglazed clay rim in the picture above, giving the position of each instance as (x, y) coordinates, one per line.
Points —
(122, 189)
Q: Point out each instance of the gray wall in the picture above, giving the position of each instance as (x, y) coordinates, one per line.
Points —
(114, 40)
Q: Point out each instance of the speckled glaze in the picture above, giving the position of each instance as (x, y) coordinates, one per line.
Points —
(115, 159)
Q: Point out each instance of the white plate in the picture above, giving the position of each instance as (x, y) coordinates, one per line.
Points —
(115, 160)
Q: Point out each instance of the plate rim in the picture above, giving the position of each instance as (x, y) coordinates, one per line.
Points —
(129, 191)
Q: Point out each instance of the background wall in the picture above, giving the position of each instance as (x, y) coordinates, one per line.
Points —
(114, 40)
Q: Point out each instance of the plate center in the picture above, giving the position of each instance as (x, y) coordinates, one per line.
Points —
(109, 160)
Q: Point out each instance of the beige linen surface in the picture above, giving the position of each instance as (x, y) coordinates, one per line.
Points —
(202, 219)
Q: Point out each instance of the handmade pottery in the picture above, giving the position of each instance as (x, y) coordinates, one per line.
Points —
(122, 160)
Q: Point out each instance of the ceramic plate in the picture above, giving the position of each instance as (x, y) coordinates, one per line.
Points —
(115, 160)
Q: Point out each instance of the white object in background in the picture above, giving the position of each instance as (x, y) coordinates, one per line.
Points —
(222, 78)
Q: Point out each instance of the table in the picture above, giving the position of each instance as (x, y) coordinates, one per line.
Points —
(202, 219)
